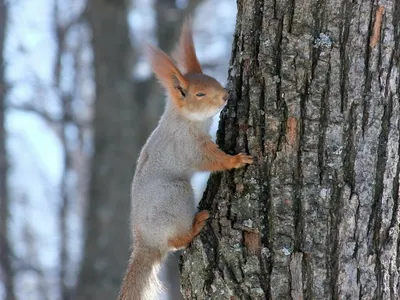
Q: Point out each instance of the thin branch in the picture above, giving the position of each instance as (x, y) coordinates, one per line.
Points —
(46, 115)
(35, 110)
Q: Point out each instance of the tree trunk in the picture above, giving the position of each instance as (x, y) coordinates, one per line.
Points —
(315, 99)
(6, 270)
(116, 144)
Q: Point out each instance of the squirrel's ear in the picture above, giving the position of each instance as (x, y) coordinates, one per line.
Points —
(185, 54)
(168, 74)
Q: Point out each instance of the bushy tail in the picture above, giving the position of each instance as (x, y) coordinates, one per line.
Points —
(140, 281)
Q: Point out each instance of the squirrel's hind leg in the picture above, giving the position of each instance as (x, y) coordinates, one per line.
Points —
(182, 241)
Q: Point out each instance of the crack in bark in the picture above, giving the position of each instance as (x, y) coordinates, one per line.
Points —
(262, 119)
(344, 63)
(376, 220)
(308, 283)
(395, 188)
(349, 153)
(280, 101)
(297, 206)
(291, 15)
(323, 123)
(335, 211)
(367, 73)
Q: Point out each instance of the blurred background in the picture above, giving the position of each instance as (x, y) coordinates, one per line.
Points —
(77, 101)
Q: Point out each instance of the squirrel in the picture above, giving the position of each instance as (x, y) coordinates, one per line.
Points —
(163, 215)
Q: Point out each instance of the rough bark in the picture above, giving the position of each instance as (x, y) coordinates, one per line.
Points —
(7, 273)
(315, 88)
(116, 142)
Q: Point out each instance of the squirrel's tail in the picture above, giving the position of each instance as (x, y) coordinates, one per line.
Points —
(140, 281)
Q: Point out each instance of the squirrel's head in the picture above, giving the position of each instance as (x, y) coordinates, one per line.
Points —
(195, 95)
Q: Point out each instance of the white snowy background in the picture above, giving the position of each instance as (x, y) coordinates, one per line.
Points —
(34, 147)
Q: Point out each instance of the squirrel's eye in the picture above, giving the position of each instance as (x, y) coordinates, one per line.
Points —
(200, 94)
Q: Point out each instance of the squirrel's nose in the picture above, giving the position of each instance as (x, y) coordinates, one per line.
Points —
(225, 97)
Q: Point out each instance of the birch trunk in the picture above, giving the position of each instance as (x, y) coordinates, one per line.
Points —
(116, 144)
(315, 87)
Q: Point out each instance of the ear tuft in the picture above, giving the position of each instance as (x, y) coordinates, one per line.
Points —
(166, 72)
(185, 53)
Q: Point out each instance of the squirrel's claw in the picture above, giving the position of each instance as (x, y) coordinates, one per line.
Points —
(241, 160)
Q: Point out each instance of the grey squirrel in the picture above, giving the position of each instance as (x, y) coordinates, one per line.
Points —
(163, 213)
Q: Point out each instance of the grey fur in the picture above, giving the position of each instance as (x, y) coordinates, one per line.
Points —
(162, 196)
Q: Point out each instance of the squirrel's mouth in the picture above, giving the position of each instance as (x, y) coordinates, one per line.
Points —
(224, 103)
(202, 115)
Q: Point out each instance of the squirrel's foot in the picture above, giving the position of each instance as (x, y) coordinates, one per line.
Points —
(240, 160)
(200, 221)
(182, 241)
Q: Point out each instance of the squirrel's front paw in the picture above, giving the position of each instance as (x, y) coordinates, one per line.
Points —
(240, 160)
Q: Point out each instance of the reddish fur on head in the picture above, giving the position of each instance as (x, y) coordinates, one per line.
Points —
(195, 95)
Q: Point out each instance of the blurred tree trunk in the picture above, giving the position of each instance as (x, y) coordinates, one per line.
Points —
(315, 89)
(117, 141)
(5, 251)
(65, 99)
